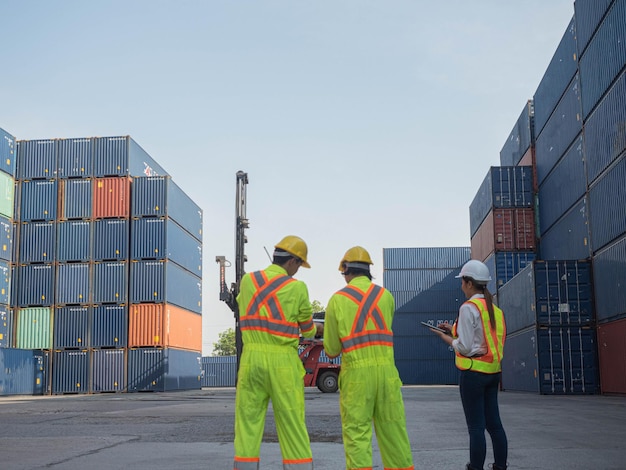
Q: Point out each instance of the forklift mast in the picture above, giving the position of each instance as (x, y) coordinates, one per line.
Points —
(229, 296)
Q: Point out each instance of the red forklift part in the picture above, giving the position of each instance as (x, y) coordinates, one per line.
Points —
(322, 375)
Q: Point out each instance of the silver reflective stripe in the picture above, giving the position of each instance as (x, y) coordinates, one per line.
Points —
(306, 326)
(267, 290)
(366, 306)
(264, 323)
(357, 295)
(368, 338)
(298, 466)
(246, 465)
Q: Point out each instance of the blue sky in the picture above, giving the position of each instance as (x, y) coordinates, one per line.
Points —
(358, 122)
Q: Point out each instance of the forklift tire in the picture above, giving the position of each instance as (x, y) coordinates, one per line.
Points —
(328, 382)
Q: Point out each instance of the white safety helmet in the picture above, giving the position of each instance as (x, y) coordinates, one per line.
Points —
(475, 270)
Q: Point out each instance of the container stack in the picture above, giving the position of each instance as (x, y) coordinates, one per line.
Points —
(82, 268)
(601, 28)
(502, 221)
(423, 284)
(7, 196)
(550, 346)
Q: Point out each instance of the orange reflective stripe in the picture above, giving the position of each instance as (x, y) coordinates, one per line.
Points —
(265, 295)
(367, 310)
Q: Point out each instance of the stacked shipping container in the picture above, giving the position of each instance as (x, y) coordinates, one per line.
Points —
(96, 269)
(423, 283)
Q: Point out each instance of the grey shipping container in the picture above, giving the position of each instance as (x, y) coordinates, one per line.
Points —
(427, 258)
(520, 139)
(109, 326)
(565, 185)
(559, 73)
(588, 14)
(70, 372)
(75, 158)
(71, 327)
(569, 237)
(122, 156)
(559, 132)
(7, 152)
(6, 238)
(161, 197)
(110, 239)
(604, 57)
(548, 293)
(163, 238)
(36, 159)
(420, 279)
(435, 301)
(108, 370)
(152, 370)
(503, 186)
(164, 281)
(609, 274)
(219, 371)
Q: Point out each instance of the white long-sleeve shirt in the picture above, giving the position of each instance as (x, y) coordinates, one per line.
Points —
(470, 339)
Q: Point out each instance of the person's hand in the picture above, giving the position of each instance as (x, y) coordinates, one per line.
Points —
(445, 326)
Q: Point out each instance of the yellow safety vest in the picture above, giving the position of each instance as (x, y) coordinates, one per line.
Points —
(489, 363)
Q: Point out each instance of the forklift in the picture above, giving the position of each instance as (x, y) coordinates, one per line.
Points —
(324, 375)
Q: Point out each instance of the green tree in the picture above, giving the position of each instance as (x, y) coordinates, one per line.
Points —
(317, 306)
(225, 345)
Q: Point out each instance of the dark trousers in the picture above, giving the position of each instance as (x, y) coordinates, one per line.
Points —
(479, 395)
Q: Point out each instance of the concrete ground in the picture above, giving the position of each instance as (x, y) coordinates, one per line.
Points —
(194, 430)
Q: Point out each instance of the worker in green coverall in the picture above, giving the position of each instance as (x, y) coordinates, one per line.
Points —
(358, 326)
(274, 308)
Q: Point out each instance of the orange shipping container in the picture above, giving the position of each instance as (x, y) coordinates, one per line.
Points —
(164, 326)
(504, 230)
(111, 197)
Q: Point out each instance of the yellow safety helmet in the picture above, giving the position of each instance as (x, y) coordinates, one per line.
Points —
(355, 257)
(294, 246)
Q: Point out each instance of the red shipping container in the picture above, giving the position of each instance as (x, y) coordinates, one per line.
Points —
(612, 356)
(164, 326)
(111, 197)
(504, 230)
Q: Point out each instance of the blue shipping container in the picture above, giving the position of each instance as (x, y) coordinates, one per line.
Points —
(74, 240)
(6, 274)
(6, 239)
(505, 187)
(421, 280)
(73, 284)
(161, 197)
(19, 372)
(565, 185)
(122, 156)
(7, 152)
(164, 281)
(434, 301)
(588, 14)
(560, 71)
(428, 372)
(520, 138)
(108, 372)
(36, 159)
(568, 238)
(605, 56)
(37, 242)
(75, 158)
(503, 265)
(548, 293)
(70, 372)
(38, 200)
(76, 199)
(605, 139)
(71, 327)
(109, 326)
(162, 238)
(609, 274)
(559, 132)
(110, 282)
(35, 285)
(6, 326)
(161, 370)
(418, 258)
(110, 239)
(219, 371)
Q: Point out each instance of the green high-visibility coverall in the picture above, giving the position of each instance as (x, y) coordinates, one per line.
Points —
(270, 368)
(369, 384)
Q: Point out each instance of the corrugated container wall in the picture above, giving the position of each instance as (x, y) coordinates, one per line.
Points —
(417, 258)
(71, 327)
(6, 238)
(6, 326)
(20, 372)
(5, 282)
(109, 326)
(520, 139)
(36, 159)
(604, 57)
(108, 370)
(164, 325)
(39, 279)
(7, 195)
(219, 371)
(154, 370)
(609, 273)
(75, 199)
(122, 156)
(111, 197)
(161, 197)
(75, 158)
(71, 371)
(37, 242)
(34, 328)
(503, 187)
(612, 356)
(111, 239)
(74, 240)
(503, 265)
(38, 200)
(73, 284)
(588, 14)
(559, 73)
(7, 152)
(504, 230)
(569, 237)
